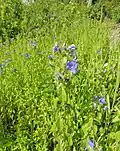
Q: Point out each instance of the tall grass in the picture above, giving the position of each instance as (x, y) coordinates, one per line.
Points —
(46, 107)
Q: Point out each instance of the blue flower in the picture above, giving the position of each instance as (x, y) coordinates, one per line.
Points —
(56, 48)
(2, 65)
(72, 49)
(73, 53)
(34, 44)
(102, 100)
(59, 76)
(27, 55)
(72, 65)
(91, 143)
(50, 57)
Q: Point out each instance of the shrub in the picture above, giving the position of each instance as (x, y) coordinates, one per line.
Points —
(97, 11)
(109, 9)
(11, 16)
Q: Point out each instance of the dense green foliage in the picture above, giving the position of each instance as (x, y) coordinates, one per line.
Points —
(11, 18)
(43, 105)
(105, 9)
(15, 16)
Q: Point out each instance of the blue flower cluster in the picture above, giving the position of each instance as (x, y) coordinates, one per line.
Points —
(4, 64)
(56, 48)
(69, 52)
(101, 101)
(71, 48)
(34, 44)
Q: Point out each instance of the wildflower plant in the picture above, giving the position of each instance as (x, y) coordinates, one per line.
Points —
(72, 66)
(45, 102)
(61, 60)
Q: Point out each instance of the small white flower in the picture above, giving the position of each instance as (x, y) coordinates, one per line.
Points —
(106, 64)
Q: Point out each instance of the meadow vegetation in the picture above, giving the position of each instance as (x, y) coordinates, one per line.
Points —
(59, 77)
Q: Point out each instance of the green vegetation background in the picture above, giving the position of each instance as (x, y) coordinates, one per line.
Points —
(37, 111)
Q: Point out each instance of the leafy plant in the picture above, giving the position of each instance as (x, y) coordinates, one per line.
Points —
(11, 16)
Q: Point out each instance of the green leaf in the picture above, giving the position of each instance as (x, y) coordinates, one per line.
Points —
(116, 119)
(117, 136)
(63, 94)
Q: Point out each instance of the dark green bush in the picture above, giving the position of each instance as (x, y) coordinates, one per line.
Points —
(116, 14)
(11, 16)
(105, 9)
(97, 11)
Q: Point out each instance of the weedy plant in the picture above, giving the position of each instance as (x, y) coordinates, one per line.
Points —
(60, 83)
